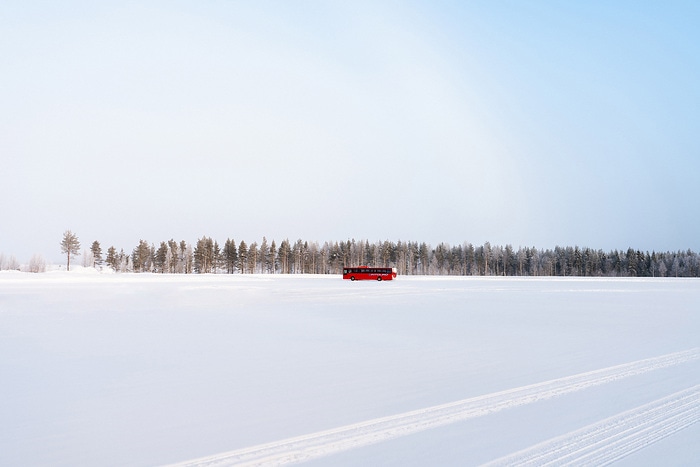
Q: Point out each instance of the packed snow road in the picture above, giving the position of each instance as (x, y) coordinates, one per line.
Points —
(149, 370)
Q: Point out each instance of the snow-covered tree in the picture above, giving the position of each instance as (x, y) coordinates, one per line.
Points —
(87, 258)
(37, 264)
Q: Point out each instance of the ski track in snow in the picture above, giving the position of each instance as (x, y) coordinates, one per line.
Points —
(314, 445)
(616, 437)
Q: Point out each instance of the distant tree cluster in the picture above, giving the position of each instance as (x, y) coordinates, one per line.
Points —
(410, 258)
(36, 264)
(8, 263)
(207, 256)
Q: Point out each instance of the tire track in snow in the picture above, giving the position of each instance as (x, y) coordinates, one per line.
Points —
(323, 443)
(616, 437)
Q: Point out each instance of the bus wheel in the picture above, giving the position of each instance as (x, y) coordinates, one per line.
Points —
(352, 278)
(379, 278)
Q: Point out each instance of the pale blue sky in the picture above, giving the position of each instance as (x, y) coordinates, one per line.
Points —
(533, 123)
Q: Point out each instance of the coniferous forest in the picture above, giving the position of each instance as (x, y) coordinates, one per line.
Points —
(208, 256)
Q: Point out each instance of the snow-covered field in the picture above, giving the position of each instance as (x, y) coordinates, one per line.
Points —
(141, 370)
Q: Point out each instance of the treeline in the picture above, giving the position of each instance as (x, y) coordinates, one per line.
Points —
(410, 258)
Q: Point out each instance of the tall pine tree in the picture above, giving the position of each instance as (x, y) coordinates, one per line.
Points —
(70, 246)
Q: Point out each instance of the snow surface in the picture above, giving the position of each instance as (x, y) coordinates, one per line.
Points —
(139, 369)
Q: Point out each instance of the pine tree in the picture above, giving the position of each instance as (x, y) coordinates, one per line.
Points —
(185, 257)
(96, 254)
(242, 256)
(230, 256)
(424, 261)
(142, 257)
(273, 257)
(204, 255)
(188, 257)
(70, 245)
(173, 257)
(264, 256)
(283, 255)
(161, 257)
(298, 255)
(216, 256)
(253, 257)
(112, 258)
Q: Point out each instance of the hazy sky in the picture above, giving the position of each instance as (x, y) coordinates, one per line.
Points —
(531, 123)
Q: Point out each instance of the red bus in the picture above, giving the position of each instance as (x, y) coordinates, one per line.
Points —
(359, 273)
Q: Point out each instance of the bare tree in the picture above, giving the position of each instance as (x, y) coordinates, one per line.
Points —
(37, 264)
(70, 245)
(87, 258)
